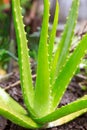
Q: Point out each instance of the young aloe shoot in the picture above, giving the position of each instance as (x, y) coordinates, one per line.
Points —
(54, 72)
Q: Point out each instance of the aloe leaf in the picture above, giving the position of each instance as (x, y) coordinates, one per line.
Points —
(42, 89)
(77, 107)
(65, 42)
(66, 119)
(10, 109)
(24, 60)
(53, 32)
(68, 71)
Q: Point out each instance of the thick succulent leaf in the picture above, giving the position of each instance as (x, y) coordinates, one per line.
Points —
(65, 42)
(53, 33)
(42, 89)
(10, 109)
(67, 118)
(68, 71)
(75, 109)
(24, 61)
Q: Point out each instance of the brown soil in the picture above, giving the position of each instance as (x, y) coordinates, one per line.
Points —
(73, 92)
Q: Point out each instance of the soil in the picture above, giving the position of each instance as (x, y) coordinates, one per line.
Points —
(73, 92)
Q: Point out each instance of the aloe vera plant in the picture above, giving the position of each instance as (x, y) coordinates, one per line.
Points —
(54, 72)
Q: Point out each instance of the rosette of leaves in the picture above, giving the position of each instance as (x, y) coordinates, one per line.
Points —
(54, 72)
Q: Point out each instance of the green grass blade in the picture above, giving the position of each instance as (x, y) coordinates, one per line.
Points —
(65, 42)
(68, 71)
(10, 109)
(53, 33)
(24, 61)
(42, 89)
(77, 106)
